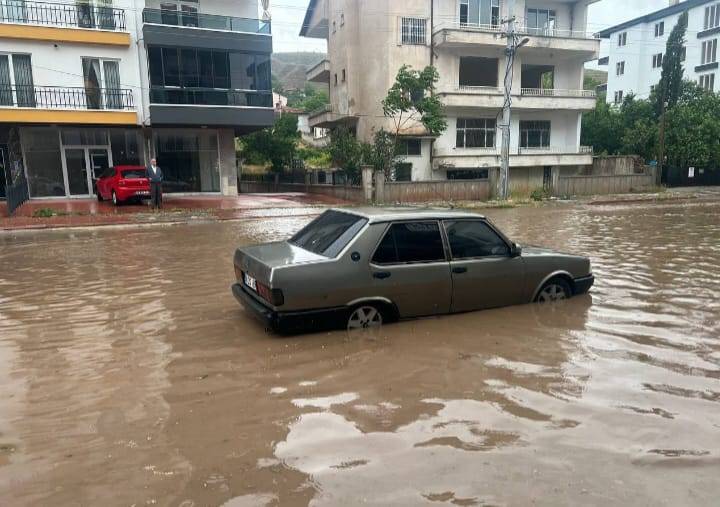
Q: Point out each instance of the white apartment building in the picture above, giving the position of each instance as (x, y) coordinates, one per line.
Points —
(88, 85)
(369, 40)
(637, 48)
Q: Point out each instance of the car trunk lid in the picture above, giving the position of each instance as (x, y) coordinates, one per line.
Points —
(259, 260)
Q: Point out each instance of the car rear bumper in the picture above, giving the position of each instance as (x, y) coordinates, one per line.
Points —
(125, 193)
(290, 322)
(583, 284)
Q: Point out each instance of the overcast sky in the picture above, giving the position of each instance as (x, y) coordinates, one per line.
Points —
(287, 16)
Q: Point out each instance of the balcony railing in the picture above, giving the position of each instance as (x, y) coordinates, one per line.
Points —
(211, 97)
(555, 150)
(207, 21)
(521, 30)
(64, 97)
(327, 108)
(479, 90)
(79, 15)
(553, 92)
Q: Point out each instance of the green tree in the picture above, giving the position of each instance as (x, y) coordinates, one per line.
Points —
(693, 130)
(315, 101)
(411, 98)
(602, 128)
(347, 152)
(670, 86)
(275, 144)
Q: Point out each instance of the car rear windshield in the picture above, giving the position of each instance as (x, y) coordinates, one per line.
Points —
(329, 233)
(133, 173)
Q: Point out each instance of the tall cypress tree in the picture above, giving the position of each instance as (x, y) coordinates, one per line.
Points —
(669, 88)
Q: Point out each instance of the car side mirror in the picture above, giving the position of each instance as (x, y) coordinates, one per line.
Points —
(515, 250)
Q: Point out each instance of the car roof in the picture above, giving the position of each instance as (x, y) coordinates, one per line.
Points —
(377, 215)
(129, 167)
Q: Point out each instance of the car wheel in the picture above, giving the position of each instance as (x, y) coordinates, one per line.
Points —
(99, 195)
(556, 289)
(364, 317)
(115, 199)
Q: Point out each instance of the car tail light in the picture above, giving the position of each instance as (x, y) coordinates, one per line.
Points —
(273, 296)
(238, 273)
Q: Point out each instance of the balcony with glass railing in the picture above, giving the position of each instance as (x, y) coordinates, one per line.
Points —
(190, 19)
(210, 97)
(75, 15)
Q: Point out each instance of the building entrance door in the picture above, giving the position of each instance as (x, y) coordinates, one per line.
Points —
(77, 173)
(83, 165)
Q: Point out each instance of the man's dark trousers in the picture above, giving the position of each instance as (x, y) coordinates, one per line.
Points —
(156, 194)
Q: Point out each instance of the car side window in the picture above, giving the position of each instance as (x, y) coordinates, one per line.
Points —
(406, 242)
(474, 238)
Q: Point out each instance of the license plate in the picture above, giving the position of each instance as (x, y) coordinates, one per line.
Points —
(142, 192)
(250, 282)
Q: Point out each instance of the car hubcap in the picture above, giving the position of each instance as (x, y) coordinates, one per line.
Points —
(552, 292)
(364, 317)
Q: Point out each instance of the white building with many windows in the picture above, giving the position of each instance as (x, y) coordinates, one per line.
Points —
(92, 84)
(369, 40)
(637, 48)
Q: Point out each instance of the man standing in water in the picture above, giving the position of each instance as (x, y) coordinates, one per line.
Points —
(155, 176)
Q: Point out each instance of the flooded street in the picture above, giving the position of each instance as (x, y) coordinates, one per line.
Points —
(129, 375)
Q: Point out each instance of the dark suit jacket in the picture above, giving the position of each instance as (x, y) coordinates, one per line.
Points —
(154, 178)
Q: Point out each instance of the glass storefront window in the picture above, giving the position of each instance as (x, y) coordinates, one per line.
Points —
(43, 162)
(127, 147)
(189, 160)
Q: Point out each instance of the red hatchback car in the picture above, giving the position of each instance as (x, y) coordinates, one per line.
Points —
(123, 183)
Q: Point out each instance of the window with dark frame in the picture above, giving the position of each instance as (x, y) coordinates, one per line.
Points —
(475, 133)
(413, 31)
(709, 52)
(659, 29)
(409, 147)
(534, 134)
(344, 75)
(620, 68)
(618, 97)
(707, 82)
(712, 16)
(622, 39)
(410, 242)
(479, 12)
(657, 60)
(402, 172)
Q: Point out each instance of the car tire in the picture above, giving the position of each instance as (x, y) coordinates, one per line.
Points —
(115, 200)
(555, 289)
(365, 315)
(99, 195)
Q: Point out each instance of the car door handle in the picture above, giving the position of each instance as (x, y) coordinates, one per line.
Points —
(381, 275)
(459, 270)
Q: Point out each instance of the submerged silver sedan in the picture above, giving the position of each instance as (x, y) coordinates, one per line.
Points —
(359, 268)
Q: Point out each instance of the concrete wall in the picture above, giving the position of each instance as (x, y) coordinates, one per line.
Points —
(604, 185)
(433, 191)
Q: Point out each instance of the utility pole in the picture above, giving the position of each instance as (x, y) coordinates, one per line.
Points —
(661, 155)
(504, 177)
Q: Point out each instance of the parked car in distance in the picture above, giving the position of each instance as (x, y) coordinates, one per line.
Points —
(359, 268)
(123, 183)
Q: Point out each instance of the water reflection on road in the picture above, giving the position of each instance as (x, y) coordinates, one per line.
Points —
(130, 376)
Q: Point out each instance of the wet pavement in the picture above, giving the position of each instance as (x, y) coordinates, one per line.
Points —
(130, 376)
(90, 212)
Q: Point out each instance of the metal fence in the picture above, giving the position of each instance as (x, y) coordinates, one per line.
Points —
(80, 15)
(16, 192)
(65, 97)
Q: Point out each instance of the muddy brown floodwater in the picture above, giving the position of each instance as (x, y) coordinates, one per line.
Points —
(130, 376)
